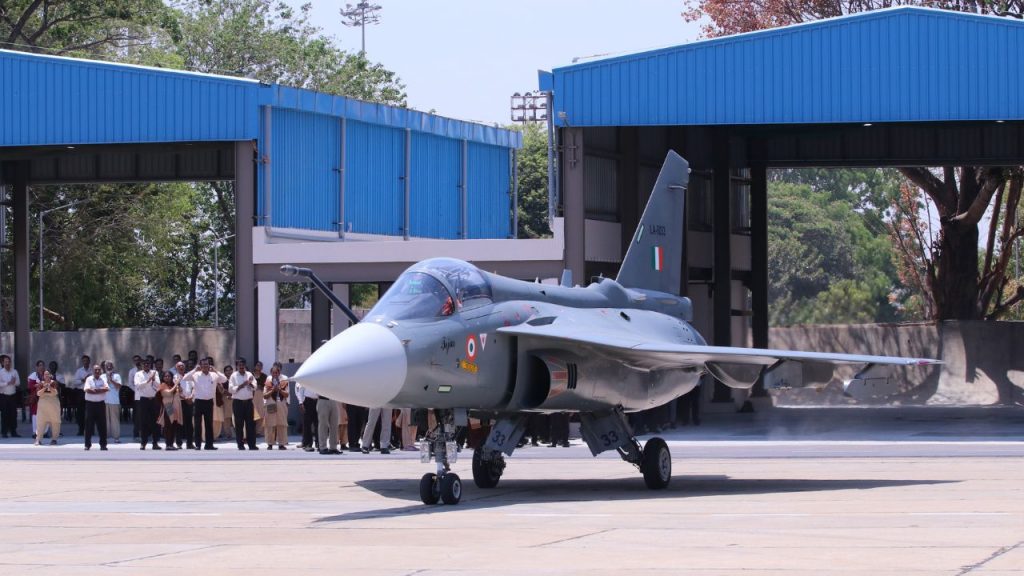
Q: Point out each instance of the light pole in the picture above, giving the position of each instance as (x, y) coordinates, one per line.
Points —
(41, 214)
(216, 278)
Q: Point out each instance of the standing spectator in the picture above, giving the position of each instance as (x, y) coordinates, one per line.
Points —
(146, 385)
(226, 407)
(113, 401)
(33, 398)
(158, 365)
(95, 391)
(307, 407)
(187, 394)
(9, 381)
(77, 392)
(559, 435)
(207, 389)
(260, 377)
(48, 408)
(137, 362)
(275, 397)
(62, 390)
(408, 428)
(328, 412)
(384, 415)
(357, 416)
(170, 410)
(242, 388)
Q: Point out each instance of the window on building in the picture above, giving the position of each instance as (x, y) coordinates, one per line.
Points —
(699, 202)
(739, 185)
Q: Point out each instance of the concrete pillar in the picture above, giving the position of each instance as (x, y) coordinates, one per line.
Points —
(339, 321)
(320, 319)
(267, 308)
(20, 245)
(245, 270)
(573, 208)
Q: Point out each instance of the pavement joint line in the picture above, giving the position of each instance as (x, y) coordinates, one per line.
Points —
(972, 567)
(606, 530)
(114, 563)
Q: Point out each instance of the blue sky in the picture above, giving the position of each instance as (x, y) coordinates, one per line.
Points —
(465, 58)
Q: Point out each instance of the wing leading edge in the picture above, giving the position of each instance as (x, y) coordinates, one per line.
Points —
(723, 362)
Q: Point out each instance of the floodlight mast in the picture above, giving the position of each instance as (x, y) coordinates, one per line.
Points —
(289, 270)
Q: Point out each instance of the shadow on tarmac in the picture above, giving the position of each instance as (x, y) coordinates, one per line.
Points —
(510, 492)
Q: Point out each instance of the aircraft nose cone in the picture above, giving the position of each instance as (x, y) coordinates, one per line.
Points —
(364, 365)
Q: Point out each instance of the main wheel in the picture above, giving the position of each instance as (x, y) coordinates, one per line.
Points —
(486, 473)
(656, 464)
(430, 489)
(451, 488)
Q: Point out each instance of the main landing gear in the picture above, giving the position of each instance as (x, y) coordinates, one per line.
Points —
(611, 431)
(444, 485)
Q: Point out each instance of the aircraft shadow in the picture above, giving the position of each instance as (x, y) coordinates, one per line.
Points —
(511, 492)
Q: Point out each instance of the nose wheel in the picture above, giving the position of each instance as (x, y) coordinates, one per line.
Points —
(446, 488)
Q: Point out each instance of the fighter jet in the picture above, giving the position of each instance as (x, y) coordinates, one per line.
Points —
(463, 342)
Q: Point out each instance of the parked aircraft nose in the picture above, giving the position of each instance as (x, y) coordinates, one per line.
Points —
(364, 365)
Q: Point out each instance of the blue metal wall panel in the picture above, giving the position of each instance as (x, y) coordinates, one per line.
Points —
(47, 100)
(905, 64)
(305, 156)
(490, 193)
(374, 168)
(435, 209)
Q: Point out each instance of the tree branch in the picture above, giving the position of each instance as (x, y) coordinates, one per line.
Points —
(935, 188)
(992, 179)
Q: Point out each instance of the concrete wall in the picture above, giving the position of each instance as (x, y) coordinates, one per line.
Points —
(120, 344)
(984, 361)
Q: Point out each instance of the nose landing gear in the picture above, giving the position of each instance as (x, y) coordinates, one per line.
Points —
(444, 485)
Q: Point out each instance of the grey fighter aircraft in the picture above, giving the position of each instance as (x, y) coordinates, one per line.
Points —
(450, 337)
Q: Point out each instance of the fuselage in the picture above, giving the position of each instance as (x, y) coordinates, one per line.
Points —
(443, 321)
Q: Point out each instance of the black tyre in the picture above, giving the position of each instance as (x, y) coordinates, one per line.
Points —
(656, 464)
(451, 488)
(486, 473)
(430, 489)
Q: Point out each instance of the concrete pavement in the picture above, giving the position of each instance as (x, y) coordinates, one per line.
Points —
(924, 493)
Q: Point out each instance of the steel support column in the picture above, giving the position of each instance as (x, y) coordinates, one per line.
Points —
(20, 245)
(574, 209)
(245, 269)
(722, 246)
(320, 320)
(759, 260)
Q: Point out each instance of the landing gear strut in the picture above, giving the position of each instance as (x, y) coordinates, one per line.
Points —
(439, 444)
(611, 431)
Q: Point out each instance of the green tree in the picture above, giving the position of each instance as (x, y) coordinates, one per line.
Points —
(98, 28)
(826, 264)
(532, 168)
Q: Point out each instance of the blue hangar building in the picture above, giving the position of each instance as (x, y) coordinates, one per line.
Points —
(362, 183)
(899, 87)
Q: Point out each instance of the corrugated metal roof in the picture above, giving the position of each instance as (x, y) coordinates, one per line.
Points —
(51, 100)
(905, 64)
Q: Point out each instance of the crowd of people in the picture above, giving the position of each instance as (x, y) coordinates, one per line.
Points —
(192, 405)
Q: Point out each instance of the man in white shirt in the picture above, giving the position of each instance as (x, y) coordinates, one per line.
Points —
(147, 382)
(95, 390)
(137, 362)
(9, 381)
(113, 401)
(307, 405)
(187, 391)
(242, 384)
(76, 394)
(206, 381)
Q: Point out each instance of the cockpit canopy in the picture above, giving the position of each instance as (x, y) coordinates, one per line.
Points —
(433, 289)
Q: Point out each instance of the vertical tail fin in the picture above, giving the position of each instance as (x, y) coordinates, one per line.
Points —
(655, 253)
